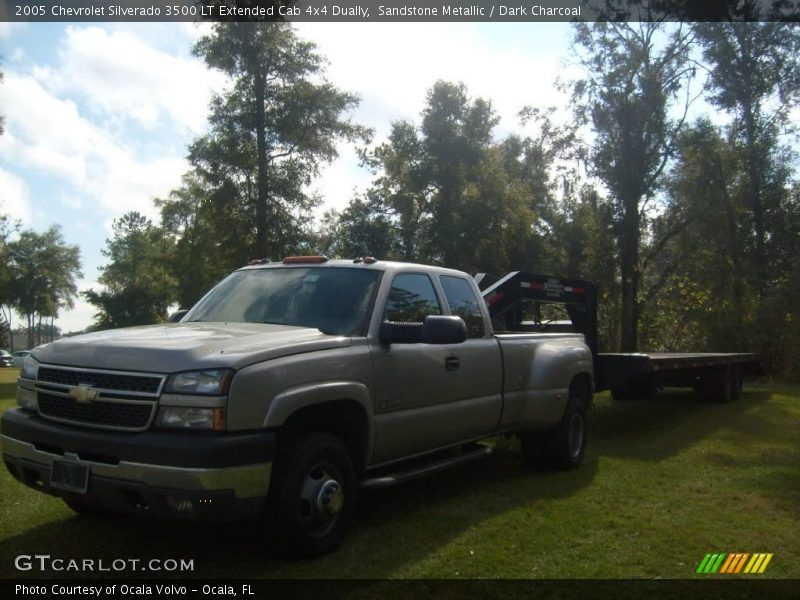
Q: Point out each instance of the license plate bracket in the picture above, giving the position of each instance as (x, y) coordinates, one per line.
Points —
(69, 476)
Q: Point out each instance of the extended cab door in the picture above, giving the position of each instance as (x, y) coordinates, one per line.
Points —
(430, 396)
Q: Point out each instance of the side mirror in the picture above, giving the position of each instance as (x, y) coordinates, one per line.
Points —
(437, 329)
(440, 329)
(177, 315)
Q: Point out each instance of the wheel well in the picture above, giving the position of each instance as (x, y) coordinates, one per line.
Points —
(346, 419)
(582, 380)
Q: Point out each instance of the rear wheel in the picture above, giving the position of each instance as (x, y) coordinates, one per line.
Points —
(312, 495)
(563, 446)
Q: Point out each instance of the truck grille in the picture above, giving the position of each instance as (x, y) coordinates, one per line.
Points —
(102, 399)
(109, 414)
(109, 381)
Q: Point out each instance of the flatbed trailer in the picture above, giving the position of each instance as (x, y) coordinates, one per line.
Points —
(515, 304)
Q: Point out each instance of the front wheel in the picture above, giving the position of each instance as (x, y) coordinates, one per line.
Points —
(563, 446)
(312, 495)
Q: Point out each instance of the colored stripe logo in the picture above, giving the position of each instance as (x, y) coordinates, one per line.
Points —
(734, 563)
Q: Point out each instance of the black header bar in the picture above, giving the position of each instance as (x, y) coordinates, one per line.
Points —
(397, 10)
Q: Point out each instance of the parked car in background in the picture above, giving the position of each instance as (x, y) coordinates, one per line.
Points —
(19, 356)
(5, 359)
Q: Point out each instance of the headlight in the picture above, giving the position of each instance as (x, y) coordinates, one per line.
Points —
(213, 382)
(182, 417)
(30, 368)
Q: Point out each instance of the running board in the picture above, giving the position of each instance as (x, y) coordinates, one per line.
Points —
(397, 477)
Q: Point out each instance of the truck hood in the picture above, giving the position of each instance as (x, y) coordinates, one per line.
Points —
(185, 346)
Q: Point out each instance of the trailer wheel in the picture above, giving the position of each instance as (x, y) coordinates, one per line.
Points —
(720, 385)
(563, 446)
(312, 495)
(736, 390)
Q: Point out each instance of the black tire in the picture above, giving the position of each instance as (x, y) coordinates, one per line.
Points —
(563, 446)
(312, 495)
(720, 386)
(736, 383)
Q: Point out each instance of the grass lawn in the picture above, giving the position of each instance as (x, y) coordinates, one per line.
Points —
(663, 483)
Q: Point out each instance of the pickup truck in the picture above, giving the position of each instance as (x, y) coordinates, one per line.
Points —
(286, 387)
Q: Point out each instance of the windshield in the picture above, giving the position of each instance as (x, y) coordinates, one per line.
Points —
(333, 300)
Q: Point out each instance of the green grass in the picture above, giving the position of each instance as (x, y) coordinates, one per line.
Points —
(663, 483)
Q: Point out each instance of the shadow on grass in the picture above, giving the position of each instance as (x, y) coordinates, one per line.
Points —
(392, 527)
(403, 525)
(655, 429)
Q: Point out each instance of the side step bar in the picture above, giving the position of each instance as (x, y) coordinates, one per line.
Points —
(401, 476)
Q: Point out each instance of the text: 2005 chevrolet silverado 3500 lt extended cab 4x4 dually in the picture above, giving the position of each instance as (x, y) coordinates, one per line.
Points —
(284, 388)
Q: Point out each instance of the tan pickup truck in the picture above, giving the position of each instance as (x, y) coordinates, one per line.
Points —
(285, 388)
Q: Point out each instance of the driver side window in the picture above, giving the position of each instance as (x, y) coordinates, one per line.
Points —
(411, 299)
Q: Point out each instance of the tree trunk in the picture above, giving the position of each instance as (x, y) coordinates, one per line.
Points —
(629, 267)
(737, 277)
(261, 175)
(754, 174)
(30, 332)
(753, 162)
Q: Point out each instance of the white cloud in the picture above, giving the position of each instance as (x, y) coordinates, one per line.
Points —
(14, 197)
(47, 133)
(79, 317)
(120, 75)
(392, 65)
(44, 131)
(341, 180)
(7, 28)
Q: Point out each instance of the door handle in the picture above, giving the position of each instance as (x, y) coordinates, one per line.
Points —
(451, 363)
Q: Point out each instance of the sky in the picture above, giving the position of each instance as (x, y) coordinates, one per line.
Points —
(98, 116)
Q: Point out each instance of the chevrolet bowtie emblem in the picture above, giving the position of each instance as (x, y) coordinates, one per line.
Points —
(84, 393)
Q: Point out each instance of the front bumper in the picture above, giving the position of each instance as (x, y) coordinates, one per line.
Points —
(176, 474)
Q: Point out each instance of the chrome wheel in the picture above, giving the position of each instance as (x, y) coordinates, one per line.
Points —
(321, 499)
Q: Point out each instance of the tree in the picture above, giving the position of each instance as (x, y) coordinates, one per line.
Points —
(6, 291)
(457, 131)
(633, 74)
(452, 194)
(210, 236)
(363, 228)
(271, 132)
(138, 285)
(43, 273)
(754, 75)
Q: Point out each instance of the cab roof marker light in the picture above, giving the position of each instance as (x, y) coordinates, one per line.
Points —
(294, 260)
